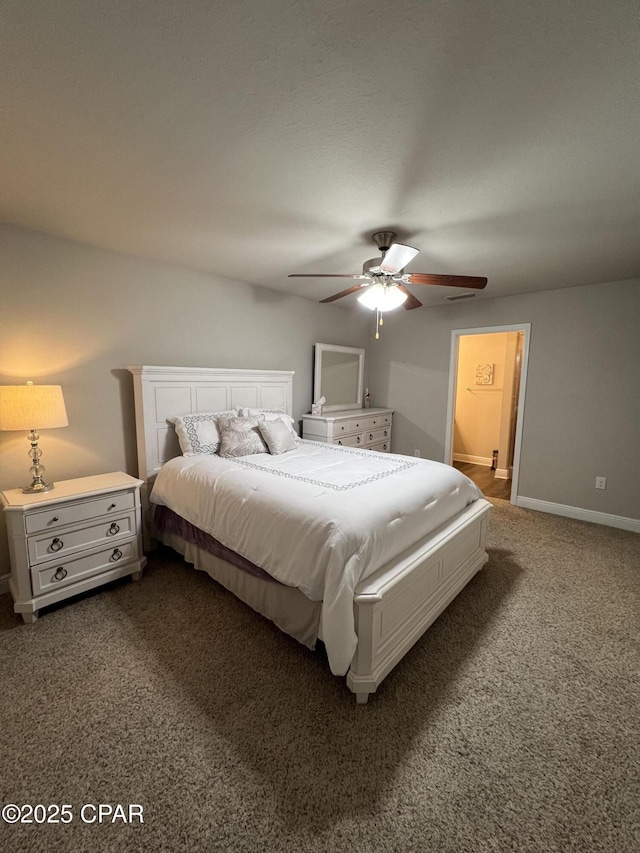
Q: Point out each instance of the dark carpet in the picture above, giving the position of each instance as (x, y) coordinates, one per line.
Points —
(513, 724)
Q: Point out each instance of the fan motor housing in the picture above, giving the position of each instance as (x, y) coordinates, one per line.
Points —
(383, 239)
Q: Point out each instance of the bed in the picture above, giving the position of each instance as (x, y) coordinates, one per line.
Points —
(309, 538)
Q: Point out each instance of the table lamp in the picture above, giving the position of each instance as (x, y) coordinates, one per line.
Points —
(33, 407)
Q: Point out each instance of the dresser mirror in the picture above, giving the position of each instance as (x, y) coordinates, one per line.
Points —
(338, 377)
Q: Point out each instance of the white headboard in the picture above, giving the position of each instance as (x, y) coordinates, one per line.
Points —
(161, 392)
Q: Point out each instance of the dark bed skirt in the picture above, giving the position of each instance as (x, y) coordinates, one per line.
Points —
(165, 520)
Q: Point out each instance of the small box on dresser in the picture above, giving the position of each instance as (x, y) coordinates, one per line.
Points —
(81, 534)
(367, 428)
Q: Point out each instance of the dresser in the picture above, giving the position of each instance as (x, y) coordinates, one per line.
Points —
(367, 428)
(81, 534)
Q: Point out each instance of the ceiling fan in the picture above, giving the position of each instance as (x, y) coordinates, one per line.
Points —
(383, 281)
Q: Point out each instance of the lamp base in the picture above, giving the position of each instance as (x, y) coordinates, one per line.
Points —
(36, 487)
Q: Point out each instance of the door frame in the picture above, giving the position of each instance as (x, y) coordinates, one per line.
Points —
(456, 334)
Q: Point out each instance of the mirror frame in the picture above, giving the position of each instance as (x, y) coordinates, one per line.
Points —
(317, 377)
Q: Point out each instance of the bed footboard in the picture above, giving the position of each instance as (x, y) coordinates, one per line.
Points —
(396, 605)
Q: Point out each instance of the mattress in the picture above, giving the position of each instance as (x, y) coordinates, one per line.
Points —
(320, 518)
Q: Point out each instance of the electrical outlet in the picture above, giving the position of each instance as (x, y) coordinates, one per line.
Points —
(601, 482)
(416, 452)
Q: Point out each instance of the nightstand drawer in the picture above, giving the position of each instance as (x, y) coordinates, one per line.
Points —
(70, 513)
(55, 575)
(46, 546)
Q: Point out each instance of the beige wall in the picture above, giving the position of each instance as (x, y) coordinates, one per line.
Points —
(582, 410)
(482, 412)
(77, 316)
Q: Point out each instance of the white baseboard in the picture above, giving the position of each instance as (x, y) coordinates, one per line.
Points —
(632, 524)
(4, 584)
(503, 474)
(474, 460)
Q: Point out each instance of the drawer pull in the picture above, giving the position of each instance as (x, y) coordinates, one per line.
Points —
(370, 436)
(358, 440)
(60, 574)
(54, 519)
(56, 544)
(111, 506)
(115, 528)
(339, 442)
(117, 553)
(386, 433)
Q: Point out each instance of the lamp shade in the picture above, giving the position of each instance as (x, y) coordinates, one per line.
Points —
(32, 407)
(380, 297)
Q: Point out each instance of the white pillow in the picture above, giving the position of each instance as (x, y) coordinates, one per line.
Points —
(270, 415)
(199, 433)
(277, 436)
(241, 437)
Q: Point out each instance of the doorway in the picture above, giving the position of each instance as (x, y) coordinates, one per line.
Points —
(487, 384)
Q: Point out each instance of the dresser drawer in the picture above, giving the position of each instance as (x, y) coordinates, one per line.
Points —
(341, 427)
(350, 441)
(55, 575)
(47, 546)
(381, 447)
(376, 435)
(361, 424)
(70, 513)
(370, 422)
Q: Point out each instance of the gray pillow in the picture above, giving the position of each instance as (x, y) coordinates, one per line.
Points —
(278, 436)
(240, 437)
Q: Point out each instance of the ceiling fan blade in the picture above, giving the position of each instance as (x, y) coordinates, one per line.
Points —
(471, 281)
(325, 275)
(397, 257)
(411, 301)
(342, 293)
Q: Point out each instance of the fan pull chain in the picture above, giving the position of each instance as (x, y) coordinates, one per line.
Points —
(378, 323)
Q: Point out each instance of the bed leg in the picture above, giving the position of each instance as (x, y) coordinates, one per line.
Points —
(361, 698)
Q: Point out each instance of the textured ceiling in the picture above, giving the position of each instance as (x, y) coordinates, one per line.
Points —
(256, 138)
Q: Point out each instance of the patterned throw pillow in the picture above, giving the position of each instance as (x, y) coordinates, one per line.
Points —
(199, 433)
(278, 437)
(241, 437)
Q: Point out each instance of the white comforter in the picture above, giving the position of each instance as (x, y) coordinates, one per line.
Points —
(320, 518)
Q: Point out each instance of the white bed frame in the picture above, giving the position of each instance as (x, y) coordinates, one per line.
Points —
(394, 606)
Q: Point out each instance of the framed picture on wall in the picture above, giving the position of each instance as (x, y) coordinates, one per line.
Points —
(484, 374)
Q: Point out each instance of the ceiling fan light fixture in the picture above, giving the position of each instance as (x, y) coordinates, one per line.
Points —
(382, 283)
(382, 297)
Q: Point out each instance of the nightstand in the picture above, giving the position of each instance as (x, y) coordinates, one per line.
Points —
(82, 534)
